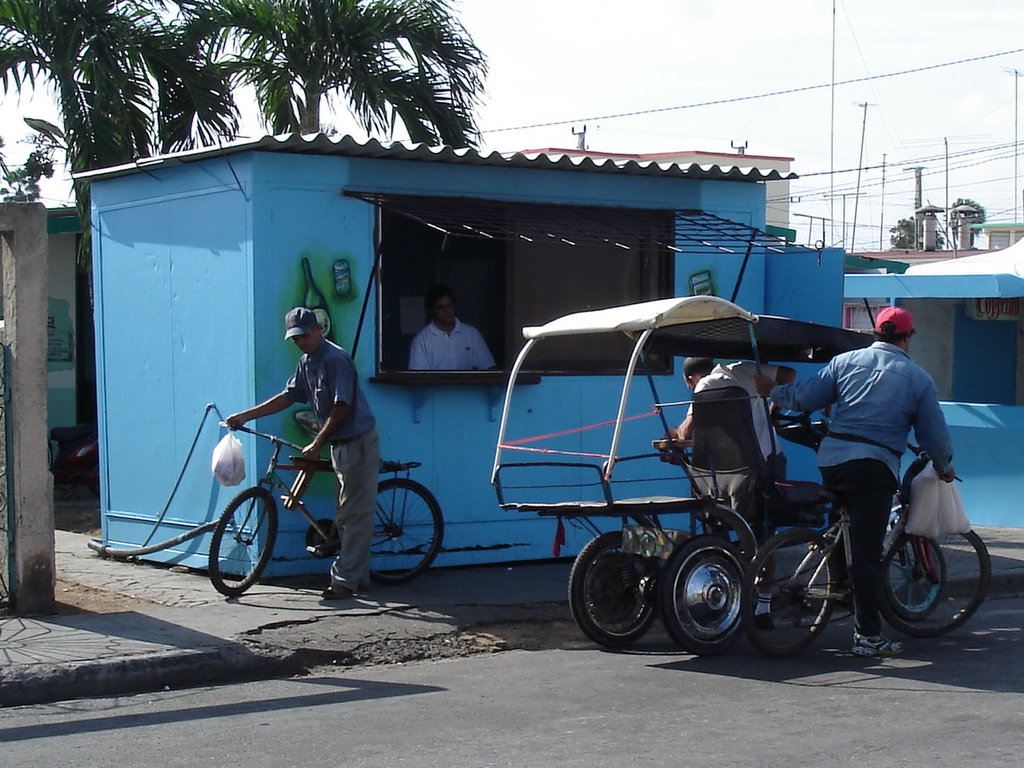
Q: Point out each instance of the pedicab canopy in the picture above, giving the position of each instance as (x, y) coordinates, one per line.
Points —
(709, 326)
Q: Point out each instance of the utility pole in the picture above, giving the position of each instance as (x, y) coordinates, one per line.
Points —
(1016, 185)
(945, 144)
(832, 132)
(860, 167)
(881, 221)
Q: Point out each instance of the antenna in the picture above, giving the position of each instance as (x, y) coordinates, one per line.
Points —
(741, 149)
(581, 138)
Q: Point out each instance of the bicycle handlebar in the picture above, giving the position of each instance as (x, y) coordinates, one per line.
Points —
(265, 435)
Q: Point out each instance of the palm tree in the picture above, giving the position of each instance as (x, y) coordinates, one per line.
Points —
(407, 60)
(126, 81)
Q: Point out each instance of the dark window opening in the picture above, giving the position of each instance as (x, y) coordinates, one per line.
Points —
(512, 265)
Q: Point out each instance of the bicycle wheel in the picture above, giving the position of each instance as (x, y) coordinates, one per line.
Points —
(795, 570)
(407, 531)
(699, 595)
(932, 587)
(611, 592)
(243, 541)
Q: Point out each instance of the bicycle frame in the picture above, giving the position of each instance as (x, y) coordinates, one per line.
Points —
(292, 494)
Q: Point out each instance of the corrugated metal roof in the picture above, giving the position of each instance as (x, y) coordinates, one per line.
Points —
(348, 146)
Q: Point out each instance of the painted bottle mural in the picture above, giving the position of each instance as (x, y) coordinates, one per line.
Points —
(314, 299)
(342, 278)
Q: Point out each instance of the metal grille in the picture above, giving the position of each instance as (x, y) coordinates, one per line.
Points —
(566, 225)
(5, 513)
(591, 226)
(697, 230)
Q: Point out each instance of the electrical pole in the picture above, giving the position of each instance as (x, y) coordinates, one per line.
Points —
(832, 133)
(860, 167)
(881, 221)
(1016, 185)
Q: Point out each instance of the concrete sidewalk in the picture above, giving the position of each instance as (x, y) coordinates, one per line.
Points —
(175, 630)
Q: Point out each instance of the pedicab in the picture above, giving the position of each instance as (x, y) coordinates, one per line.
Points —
(664, 541)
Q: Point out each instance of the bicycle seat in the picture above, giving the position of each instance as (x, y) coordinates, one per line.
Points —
(398, 466)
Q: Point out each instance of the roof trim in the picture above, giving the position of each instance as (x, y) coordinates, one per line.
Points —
(348, 146)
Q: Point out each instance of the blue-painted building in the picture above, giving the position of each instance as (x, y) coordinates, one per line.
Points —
(199, 255)
(971, 340)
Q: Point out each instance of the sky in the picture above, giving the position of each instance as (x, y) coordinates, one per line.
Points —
(673, 75)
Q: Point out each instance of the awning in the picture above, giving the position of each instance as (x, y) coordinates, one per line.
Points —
(933, 286)
(991, 275)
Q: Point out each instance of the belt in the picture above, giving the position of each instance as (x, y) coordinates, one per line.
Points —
(343, 440)
(868, 440)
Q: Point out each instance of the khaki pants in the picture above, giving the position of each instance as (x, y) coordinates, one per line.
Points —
(357, 467)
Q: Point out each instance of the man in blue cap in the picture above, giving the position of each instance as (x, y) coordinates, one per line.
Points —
(326, 379)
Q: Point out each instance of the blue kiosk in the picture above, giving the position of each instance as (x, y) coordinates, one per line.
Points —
(199, 255)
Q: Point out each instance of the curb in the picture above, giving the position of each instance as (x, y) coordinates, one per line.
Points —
(46, 683)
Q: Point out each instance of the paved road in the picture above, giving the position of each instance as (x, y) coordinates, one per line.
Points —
(953, 701)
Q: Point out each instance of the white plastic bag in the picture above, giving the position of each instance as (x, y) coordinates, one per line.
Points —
(228, 461)
(935, 506)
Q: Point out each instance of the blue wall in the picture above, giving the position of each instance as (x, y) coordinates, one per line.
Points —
(196, 264)
(987, 441)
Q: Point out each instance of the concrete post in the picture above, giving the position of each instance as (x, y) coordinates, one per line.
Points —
(23, 260)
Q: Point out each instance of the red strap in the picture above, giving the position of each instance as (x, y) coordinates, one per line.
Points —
(559, 542)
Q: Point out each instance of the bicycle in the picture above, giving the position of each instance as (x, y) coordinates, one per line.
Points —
(407, 531)
(930, 587)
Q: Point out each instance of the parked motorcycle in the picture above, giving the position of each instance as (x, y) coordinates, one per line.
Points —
(77, 461)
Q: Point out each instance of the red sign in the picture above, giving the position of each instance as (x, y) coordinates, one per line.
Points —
(994, 309)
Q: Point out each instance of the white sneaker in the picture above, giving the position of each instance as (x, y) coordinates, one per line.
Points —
(875, 645)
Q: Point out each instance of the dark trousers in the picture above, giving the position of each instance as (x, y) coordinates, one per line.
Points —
(867, 485)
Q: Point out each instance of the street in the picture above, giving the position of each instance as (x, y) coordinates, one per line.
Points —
(950, 701)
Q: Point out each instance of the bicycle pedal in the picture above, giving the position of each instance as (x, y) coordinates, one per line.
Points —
(323, 550)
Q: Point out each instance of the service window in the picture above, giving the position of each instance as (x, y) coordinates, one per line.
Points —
(511, 265)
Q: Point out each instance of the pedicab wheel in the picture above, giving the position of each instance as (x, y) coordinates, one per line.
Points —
(933, 586)
(794, 570)
(243, 541)
(699, 594)
(611, 592)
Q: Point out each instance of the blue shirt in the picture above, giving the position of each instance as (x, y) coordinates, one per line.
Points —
(326, 378)
(880, 393)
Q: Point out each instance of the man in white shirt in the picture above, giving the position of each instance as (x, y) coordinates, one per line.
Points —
(446, 343)
(740, 374)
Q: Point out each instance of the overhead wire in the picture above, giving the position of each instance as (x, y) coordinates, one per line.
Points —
(752, 97)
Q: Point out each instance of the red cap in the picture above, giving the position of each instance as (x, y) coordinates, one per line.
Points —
(902, 321)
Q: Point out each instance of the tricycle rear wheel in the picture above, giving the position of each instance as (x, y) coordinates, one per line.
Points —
(611, 592)
(699, 593)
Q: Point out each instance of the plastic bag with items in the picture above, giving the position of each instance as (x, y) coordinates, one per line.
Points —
(936, 509)
(228, 461)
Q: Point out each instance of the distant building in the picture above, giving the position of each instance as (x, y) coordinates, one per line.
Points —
(1000, 235)
(776, 192)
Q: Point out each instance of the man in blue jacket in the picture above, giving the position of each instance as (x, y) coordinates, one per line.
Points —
(880, 393)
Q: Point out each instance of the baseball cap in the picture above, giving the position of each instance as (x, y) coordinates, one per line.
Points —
(902, 321)
(298, 322)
